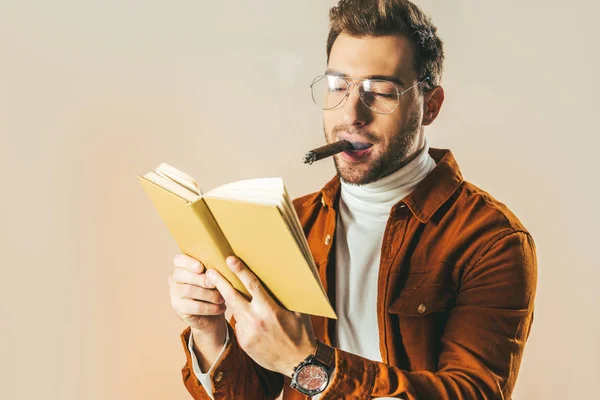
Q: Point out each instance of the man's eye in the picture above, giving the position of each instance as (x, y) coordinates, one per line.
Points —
(384, 95)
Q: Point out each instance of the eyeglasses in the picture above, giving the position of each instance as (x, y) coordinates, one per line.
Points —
(380, 96)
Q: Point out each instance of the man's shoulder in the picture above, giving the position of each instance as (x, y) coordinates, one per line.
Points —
(476, 204)
(468, 225)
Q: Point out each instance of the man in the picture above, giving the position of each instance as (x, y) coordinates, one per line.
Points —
(433, 280)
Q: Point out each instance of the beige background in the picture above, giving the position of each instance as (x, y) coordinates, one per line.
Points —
(94, 92)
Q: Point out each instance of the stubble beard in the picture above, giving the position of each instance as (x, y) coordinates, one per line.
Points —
(399, 152)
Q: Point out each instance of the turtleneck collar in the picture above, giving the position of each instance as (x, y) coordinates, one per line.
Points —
(378, 197)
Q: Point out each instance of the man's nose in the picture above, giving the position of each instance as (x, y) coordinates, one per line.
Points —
(355, 112)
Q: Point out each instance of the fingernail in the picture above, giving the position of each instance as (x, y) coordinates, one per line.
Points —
(210, 275)
(231, 261)
(196, 265)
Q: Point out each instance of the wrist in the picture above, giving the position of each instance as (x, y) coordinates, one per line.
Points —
(304, 351)
(207, 346)
(214, 337)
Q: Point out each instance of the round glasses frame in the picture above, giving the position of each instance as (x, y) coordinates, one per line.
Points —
(357, 83)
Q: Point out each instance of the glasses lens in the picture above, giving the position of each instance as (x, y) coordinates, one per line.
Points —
(328, 91)
(380, 96)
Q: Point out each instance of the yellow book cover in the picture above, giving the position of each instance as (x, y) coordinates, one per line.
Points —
(253, 220)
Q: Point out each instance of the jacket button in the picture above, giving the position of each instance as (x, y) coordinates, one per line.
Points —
(422, 308)
(327, 240)
(322, 201)
(219, 376)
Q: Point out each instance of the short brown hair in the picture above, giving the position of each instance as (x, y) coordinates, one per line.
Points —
(388, 17)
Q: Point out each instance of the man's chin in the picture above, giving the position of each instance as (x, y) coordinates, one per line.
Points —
(352, 180)
(355, 174)
(361, 173)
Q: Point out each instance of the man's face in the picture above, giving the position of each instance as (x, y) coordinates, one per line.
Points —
(397, 137)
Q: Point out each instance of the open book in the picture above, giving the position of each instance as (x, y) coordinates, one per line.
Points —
(254, 220)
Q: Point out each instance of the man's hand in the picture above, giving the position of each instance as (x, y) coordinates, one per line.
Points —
(277, 339)
(196, 302)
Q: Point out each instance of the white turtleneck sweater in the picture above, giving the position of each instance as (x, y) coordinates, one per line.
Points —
(363, 214)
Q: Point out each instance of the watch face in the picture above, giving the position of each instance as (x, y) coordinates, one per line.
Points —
(312, 378)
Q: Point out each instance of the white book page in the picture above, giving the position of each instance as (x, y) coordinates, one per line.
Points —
(179, 177)
(258, 190)
(269, 191)
(172, 187)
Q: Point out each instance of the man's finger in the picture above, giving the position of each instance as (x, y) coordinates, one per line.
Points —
(250, 281)
(232, 297)
(189, 263)
(181, 275)
(190, 307)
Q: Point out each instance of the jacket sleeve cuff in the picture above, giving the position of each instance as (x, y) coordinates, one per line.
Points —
(204, 377)
(233, 375)
(356, 376)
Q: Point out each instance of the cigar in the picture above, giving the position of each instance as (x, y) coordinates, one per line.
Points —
(327, 151)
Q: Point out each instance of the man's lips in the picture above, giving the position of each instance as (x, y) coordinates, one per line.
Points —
(358, 146)
(360, 151)
(354, 156)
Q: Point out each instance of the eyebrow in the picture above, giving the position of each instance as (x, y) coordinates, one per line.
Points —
(390, 78)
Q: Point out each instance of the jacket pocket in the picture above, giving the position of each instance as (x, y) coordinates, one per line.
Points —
(424, 300)
(418, 319)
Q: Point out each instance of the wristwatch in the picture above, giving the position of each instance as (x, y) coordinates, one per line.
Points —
(312, 375)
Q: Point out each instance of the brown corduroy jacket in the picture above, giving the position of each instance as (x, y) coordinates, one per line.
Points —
(455, 298)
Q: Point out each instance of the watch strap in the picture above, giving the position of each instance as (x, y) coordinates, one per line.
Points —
(324, 354)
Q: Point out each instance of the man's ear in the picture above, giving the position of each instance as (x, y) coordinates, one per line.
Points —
(432, 104)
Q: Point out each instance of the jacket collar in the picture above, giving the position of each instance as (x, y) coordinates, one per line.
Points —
(429, 195)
